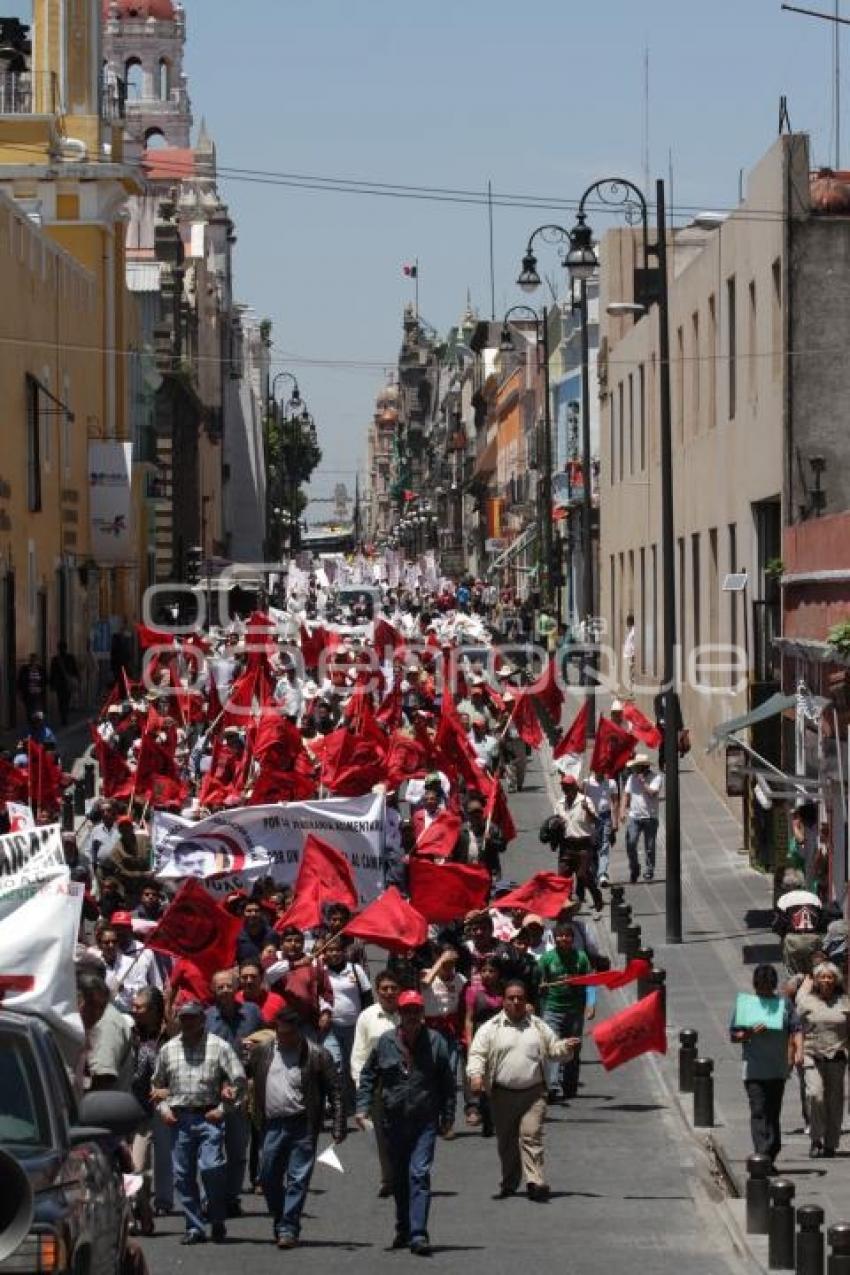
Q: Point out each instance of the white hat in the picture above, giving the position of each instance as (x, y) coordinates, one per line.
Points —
(310, 690)
(617, 706)
(639, 759)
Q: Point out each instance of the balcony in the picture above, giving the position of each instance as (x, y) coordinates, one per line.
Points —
(767, 625)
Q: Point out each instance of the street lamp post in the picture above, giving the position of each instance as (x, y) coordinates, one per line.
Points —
(650, 287)
(541, 329)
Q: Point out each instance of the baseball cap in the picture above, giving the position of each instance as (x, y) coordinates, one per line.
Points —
(121, 918)
(410, 1000)
(190, 1008)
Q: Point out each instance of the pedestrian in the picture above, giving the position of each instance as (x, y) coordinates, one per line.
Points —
(196, 1077)
(769, 1040)
(64, 679)
(482, 1000)
(564, 1006)
(233, 1021)
(410, 1069)
(32, 686)
(352, 992)
(507, 1060)
(380, 1017)
(148, 1147)
(640, 807)
(629, 654)
(570, 832)
(294, 1079)
(443, 989)
(824, 1013)
(605, 795)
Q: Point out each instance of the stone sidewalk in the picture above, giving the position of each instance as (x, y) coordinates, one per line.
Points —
(727, 914)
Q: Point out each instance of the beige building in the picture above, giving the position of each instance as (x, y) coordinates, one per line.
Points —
(729, 381)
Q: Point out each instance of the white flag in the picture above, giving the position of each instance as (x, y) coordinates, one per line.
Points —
(331, 1159)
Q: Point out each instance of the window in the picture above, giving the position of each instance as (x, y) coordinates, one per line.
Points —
(776, 335)
(612, 424)
(33, 447)
(622, 469)
(713, 591)
(134, 80)
(680, 382)
(752, 341)
(652, 635)
(653, 407)
(731, 346)
(696, 372)
(642, 414)
(732, 536)
(711, 363)
(23, 1118)
(631, 423)
(622, 596)
(631, 587)
(680, 545)
(613, 566)
(641, 633)
(164, 79)
(695, 588)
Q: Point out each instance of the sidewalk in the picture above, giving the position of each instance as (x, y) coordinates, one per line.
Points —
(727, 913)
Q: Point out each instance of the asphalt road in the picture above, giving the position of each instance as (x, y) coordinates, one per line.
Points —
(630, 1190)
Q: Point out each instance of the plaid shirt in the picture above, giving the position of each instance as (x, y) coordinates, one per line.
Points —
(194, 1074)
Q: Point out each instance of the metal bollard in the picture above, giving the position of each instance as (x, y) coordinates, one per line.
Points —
(703, 1093)
(90, 777)
(632, 941)
(839, 1249)
(642, 987)
(780, 1226)
(657, 982)
(810, 1250)
(67, 812)
(758, 1194)
(625, 922)
(687, 1057)
(618, 894)
(79, 797)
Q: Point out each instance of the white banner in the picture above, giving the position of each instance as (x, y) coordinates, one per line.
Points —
(27, 860)
(37, 944)
(231, 849)
(110, 466)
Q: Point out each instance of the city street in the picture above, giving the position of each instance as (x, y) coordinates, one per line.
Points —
(629, 1188)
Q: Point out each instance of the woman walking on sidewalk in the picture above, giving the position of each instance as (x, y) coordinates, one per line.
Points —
(824, 1012)
(768, 1028)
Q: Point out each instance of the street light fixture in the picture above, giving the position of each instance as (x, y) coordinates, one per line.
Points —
(624, 309)
(529, 279)
(581, 260)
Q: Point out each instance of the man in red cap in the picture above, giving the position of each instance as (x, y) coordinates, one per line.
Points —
(129, 965)
(410, 1069)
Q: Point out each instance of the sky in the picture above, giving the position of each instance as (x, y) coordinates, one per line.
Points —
(541, 99)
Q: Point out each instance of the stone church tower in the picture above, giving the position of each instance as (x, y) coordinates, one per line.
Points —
(143, 47)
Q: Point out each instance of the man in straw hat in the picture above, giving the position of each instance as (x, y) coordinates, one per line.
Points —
(640, 807)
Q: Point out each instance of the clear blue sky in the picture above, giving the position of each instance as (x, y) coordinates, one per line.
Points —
(542, 98)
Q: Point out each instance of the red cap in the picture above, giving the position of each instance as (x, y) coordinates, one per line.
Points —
(409, 1000)
(121, 918)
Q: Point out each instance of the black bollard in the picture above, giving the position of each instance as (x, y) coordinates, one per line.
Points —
(703, 1093)
(79, 797)
(618, 893)
(839, 1249)
(657, 982)
(631, 941)
(810, 1251)
(90, 776)
(67, 812)
(642, 987)
(687, 1057)
(780, 1226)
(625, 922)
(758, 1194)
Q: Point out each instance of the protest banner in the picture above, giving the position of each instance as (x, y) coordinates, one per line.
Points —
(27, 860)
(229, 850)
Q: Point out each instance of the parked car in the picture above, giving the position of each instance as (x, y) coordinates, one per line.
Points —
(63, 1203)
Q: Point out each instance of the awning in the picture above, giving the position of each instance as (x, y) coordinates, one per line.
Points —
(516, 546)
(772, 707)
(486, 462)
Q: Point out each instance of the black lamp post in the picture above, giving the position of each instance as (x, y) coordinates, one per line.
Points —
(650, 287)
(544, 503)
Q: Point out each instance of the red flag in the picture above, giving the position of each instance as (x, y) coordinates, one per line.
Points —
(444, 891)
(389, 713)
(116, 776)
(153, 637)
(547, 692)
(386, 638)
(642, 726)
(351, 765)
(273, 785)
(156, 778)
(14, 783)
(438, 840)
(197, 927)
(574, 742)
(640, 1029)
(613, 979)
(497, 810)
(216, 785)
(390, 922)
(277, 738)
(45, 778)
(360, 715)
(407, 758)
(454, 753)
(544, 894)
(612, 748)
(526, 721)
(312, 645)
(324, 876)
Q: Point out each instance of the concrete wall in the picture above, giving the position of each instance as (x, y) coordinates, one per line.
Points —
(812, 606)
(726, 455)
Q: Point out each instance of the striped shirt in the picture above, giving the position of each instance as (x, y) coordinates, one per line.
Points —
(194, 1074)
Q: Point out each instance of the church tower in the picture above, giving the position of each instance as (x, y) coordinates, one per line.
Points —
(143, 47)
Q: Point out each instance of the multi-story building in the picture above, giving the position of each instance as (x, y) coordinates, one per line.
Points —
(70, 557)
(381, 444)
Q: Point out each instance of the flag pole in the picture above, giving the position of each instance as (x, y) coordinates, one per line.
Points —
(416, 276)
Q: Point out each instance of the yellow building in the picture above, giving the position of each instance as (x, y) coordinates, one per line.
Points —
(70, 556)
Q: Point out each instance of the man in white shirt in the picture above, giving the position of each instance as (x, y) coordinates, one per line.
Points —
(507, 1057)
(640, 803)
(605, 795)
(380, 1017)
(484, 745)
(629, 653)
(129, 965)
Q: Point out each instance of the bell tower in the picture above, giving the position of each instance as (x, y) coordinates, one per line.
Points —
(144, 43)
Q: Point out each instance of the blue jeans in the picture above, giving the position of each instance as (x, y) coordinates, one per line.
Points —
(287, 1159)
(602, 844)
(634, 828)
(237, 1135)
(339, 1043)
(411, 1152)
(564, 1025)
(197, 1146)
